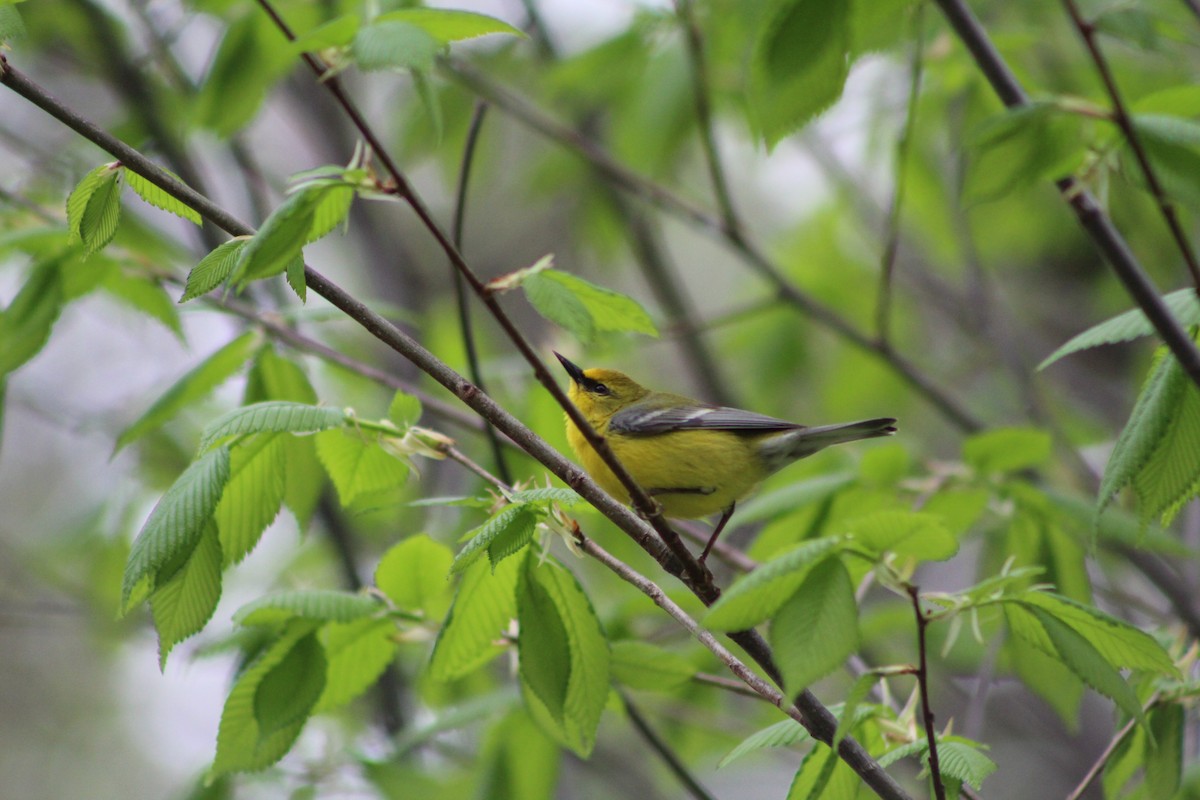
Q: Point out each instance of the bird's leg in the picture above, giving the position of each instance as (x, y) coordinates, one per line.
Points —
(725, 515)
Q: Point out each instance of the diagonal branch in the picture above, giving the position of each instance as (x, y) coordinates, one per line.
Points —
(1125, 122)
(1091, 216)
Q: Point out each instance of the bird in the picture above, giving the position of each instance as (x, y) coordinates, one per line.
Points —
(694, 458)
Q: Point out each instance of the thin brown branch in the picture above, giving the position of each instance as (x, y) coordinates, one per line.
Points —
(1099, 764)
(1088, 211)
(1120, 115)
(922, 673)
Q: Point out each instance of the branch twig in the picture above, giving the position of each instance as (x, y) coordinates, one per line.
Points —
(935, 768)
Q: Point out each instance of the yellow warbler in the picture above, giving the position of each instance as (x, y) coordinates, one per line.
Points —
(694, 458)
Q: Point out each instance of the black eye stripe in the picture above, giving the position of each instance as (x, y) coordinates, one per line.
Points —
(596, 387)
(600, 388)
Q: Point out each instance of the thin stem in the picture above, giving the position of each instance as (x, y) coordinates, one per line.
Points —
(721, 682)
(1093, 219)
(665, 751)
(1111, 748)
(1121, 116)
(701, 94)
(935, 769)
(883, 311)
(460, 288)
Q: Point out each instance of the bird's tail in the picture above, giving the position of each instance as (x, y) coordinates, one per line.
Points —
(788, 447)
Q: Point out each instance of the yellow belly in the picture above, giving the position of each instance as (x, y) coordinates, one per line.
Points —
(691, 473)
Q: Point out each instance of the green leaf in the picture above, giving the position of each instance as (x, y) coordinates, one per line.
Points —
(98, 224)
(1022, 147)
(1172, 475)
(145, 295)
(446, 26)
(11, 25)
(174, 527)
(1164, 750)
(1132, 25)
(1172, 144)
(196, 384)
(324, 605)
(854, 698)
(583, 308)
(775, 503)
(308, 213)
(483, 606)
(289, 690)
(414, 575)
(545, 651)
(330, 211)
(782, 734)
(816, 630)
(159, 198)
(214, 268)
(588, 669)
(274, 377)
(357, 465)
(242, 743)
(1048, 678)
(357, 653)
(906, 533)
(823, 775)
(250, 59)
(26, 324)
(404, 410)
(963, 761)
(1007, 450)
(547, 495)
(392, 44)
(641, 665)
(183, 602)
(1121, 644)
(799, 64)
(276, 416)
(253, 495)
(756, 596)
(337, 32)
(1183, 305)
(296, 277)
(1053, 637)
(514, 522)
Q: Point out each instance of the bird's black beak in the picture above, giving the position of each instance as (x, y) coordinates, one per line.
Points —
(574, 371)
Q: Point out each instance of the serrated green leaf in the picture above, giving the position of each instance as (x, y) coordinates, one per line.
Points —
(275, 377)
(196, 384)
(330, 210)
(1007, 450)
(641, 665)
(293, 224)
(512, 539)
(1022, 147)
(274, 416)
(357, 465)
(183, 602)
(291, 687)
(564, 497)
(906, 533)
(1074, 651)
(816, 630)
(823, 775)
(483, 606)
(447, 25)
(404, 410)
(214, 268)
(1171, 477)
(145, 295)
(296, 277)
(1172, 143)
(519, 517)
(1127, 760)
(756, 596)
(1121, 644)
(102, 214)
(393, 44)
(242, 745)
(158, 197)
(81, 195)
(1048, 678)
(12, 27)
(253, 495)
(545, 652)
(26, 324)
(1148, 424)
(781, 734)
(798, 65)
(1164, 750)
(1183, 305)
(414, 575)
(175, 526)
(323, 605)
(582, 308)
(357, 653)
(588, 672)
(964, 761)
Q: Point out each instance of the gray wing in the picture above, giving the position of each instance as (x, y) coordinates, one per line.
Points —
(640, 420)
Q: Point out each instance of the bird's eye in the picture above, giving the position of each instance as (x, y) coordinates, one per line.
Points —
(601, 389)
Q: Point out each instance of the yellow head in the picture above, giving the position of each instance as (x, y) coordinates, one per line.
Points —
(600, 393)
